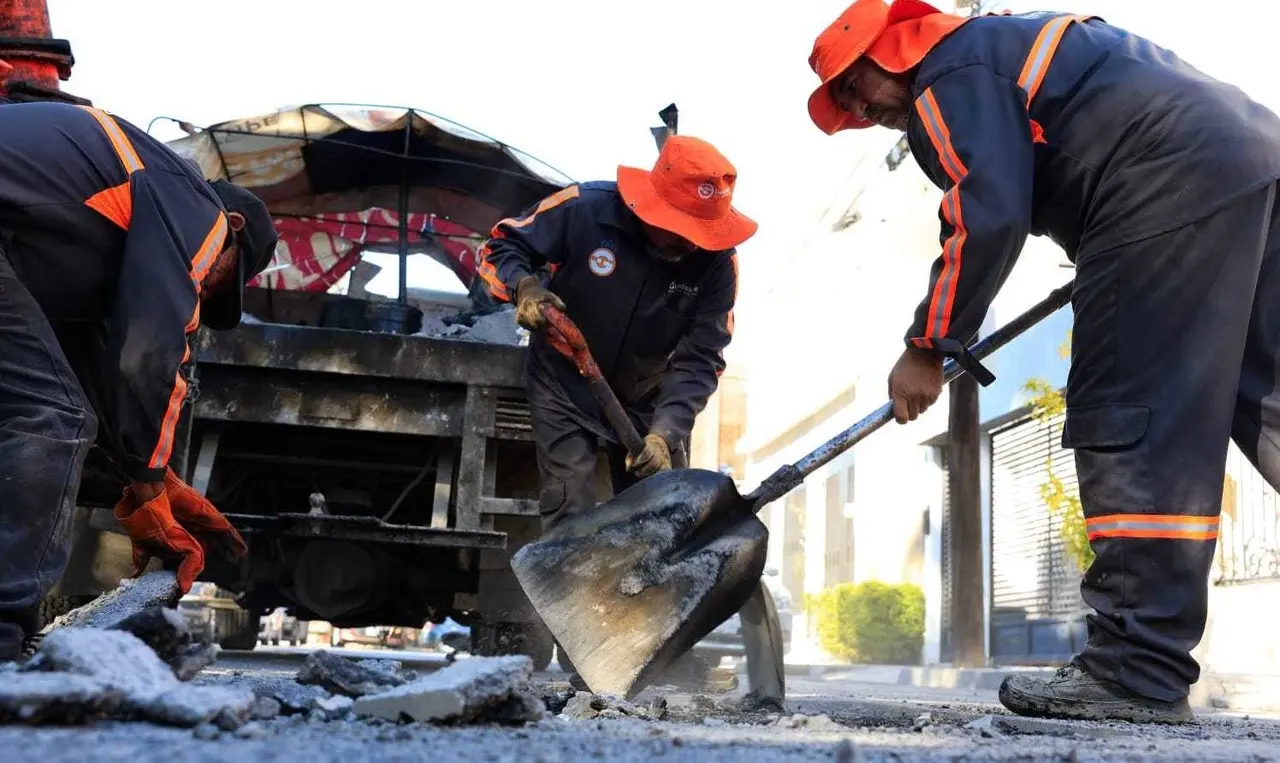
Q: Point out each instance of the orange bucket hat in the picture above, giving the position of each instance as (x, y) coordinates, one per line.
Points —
(896, 36)
(689, 192)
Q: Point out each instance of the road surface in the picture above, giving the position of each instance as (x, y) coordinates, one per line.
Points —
(863, 722)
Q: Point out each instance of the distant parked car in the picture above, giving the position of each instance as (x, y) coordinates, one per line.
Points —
(726, 640)
(280, 627)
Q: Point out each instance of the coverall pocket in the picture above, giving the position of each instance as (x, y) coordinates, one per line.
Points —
(1112, 457)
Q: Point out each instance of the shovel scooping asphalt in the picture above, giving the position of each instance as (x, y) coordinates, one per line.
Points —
(630, 586)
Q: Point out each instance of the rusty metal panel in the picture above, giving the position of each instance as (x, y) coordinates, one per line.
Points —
(359, 353)
(297, 399)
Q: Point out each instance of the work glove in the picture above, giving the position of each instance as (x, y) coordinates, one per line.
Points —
(200, 518)
(155, 533)
(530, 296)
(656, 457)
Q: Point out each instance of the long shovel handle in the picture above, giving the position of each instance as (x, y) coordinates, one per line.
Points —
(789, 477)
(563, 334)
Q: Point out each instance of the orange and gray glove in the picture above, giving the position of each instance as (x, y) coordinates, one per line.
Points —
(203, 520)
(155, 533)
(656, 457)
(531, 295)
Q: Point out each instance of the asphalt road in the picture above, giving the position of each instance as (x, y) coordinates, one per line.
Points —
(863, 722)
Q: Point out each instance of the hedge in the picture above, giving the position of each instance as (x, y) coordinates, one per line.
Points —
(871, 622)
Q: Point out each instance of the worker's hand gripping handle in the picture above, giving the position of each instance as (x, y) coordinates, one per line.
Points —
(567, 339)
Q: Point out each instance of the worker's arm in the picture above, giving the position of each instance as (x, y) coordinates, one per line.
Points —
(518, 246)
(175, 231)
(971, 134)
(696, 365)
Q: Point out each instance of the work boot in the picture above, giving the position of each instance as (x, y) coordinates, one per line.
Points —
(1074, 694)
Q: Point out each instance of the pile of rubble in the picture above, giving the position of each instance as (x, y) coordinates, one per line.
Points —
(128, 656)
(492, 328)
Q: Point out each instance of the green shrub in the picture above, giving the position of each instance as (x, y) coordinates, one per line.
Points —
(871, 622)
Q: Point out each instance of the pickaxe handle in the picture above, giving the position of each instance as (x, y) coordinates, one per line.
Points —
(567, 339)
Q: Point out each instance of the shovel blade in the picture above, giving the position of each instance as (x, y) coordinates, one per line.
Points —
(631, 585)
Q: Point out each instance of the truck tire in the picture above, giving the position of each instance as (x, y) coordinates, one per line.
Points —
(489, 639)
(237, 629)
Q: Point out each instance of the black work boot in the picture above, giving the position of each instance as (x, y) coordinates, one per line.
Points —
(1074, 694)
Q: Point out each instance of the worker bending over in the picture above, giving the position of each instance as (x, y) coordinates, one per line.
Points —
(105, 233)
(646, 268)
(1159, 182)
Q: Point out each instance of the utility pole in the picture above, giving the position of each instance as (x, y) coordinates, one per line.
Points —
(964, 475)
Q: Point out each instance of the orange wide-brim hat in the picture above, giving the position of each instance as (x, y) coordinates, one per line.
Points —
(689, 192)
(896, 36)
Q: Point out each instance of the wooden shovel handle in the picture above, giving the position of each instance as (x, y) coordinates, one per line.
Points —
(563, 335)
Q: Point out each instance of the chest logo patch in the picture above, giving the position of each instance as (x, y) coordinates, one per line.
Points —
(602, 262)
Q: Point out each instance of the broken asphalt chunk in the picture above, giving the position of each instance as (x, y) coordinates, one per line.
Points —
(116, 658)
(195, 658)
(55, 698)
(463, 692)
(164, 630)
(188, 705)
(155, 589)
(343, 676)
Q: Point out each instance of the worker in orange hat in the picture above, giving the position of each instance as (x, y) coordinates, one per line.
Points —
(646, 268)
(1159, 182)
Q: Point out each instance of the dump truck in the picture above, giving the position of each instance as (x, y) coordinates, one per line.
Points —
(375, 451)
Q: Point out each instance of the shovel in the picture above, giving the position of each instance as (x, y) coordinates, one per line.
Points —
(761, 628)
(630, 586)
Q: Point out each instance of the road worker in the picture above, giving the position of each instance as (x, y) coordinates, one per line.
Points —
(646, 268)
(105, 232)
(1159, 182)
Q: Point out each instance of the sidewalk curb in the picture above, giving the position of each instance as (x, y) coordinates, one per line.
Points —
(1219, 691)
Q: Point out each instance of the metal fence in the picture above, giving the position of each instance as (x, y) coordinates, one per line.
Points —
(1249, 537)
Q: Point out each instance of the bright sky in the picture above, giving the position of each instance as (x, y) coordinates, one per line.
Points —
(576, 83)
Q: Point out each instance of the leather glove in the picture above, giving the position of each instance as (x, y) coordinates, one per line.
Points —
(155, 533)
(530, 295)
(656, 457)
(203, 520)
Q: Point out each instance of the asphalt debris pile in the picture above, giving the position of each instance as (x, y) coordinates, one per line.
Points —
(477, 690)
(498, 327)
(585, 706)
(121, 658)
(340, 675)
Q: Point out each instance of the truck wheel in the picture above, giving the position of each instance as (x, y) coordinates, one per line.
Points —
(490, 639)
(237, 629)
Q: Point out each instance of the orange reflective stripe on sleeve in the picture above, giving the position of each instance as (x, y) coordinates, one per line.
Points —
(203, 259)
(1042, 52)
(119, 141)
(938, 320)
(489, 273)
(1152, 526)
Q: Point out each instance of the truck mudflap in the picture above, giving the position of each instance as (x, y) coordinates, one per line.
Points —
(369, 529)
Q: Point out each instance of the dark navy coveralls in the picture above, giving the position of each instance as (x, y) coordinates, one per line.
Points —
(657, 329)
(1160, 184)
(105, 234)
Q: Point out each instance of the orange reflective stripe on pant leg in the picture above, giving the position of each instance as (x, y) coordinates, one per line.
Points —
(1158, 526)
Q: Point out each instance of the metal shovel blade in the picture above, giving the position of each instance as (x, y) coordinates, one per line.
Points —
(629, 586)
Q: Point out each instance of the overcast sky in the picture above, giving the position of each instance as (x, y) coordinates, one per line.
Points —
(576, 83)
